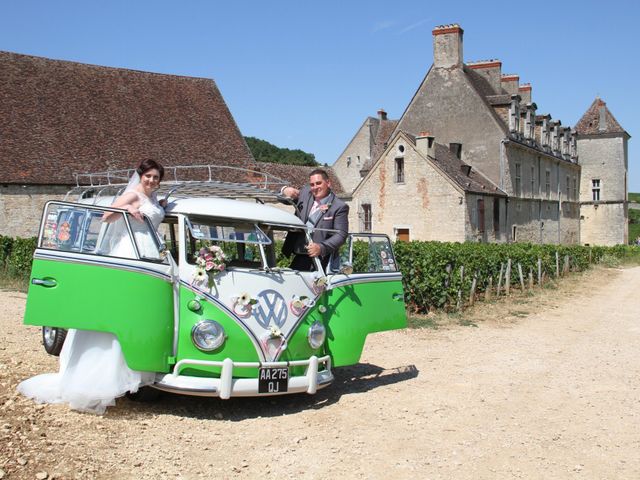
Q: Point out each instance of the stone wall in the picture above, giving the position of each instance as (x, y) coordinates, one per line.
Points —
(427, 204)
(541, 211)
(604, 159)
(447, 106)
(21, 207)
(604, 224)
(474, 231)
(348, 165)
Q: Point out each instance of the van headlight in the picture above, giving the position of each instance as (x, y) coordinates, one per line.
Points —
(316, 334)
(207, 335)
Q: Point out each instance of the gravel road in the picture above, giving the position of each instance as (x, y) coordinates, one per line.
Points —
(542, 386)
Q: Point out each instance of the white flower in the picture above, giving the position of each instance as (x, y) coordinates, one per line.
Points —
(201, 262)
(275, 331)
(322, 309)
(244, 299)
(299, 302)
(320, 281)
(200, 276)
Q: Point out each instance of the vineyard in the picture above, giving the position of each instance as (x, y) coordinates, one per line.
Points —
(436, 275)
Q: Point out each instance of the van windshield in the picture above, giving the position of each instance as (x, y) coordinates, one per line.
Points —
(242, 242)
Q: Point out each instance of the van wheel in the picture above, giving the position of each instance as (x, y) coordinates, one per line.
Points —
(144, 394)
(53, 339)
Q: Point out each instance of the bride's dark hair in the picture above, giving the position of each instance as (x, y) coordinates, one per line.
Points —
(150, 164)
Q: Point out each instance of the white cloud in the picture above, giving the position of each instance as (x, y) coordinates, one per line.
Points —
(413, 25)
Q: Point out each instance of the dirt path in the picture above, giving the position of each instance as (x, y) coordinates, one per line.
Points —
(545, 387)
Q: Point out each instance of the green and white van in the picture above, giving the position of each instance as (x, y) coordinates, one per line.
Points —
(245, 327)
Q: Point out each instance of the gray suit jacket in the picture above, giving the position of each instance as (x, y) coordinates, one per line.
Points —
(336, 217)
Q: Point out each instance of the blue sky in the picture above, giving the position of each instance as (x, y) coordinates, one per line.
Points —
(306, 74)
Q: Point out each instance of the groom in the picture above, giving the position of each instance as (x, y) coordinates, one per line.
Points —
(318, 207)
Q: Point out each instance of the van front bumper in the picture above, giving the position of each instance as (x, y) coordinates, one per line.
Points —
(226, 386)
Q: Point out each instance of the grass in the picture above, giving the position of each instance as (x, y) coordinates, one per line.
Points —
(422, 321)
(10, 282)
(634, 197)
(634, 232)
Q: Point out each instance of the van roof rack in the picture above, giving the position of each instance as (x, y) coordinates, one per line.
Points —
(185, 181)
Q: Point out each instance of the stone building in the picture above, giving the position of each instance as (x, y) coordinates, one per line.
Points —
(602, 145)
(517, 172)
(59, 118)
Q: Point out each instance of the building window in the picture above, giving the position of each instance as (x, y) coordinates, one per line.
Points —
(399, 170)
(547, 183)
(575, 188)
(366, 217)
(514, 232)
(595, 189)
(402, 234)
(480, 215)
(568, 187)
(533, 181)
(518, 179)
(348, 161)
(496, 217)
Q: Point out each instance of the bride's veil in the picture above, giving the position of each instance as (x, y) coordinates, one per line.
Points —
(116, 232)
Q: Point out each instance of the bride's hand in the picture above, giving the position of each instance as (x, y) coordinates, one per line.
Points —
(135, 213)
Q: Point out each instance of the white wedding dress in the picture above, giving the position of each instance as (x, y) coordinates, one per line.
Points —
(93, 371)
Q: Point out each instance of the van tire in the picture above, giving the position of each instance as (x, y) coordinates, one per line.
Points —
(144, 394)
(53, 339)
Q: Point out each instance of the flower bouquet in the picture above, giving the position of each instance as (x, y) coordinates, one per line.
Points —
(210, 261)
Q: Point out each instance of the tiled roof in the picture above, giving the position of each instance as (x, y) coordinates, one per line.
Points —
(60, 118)
(466, 177)
(385, 130)
(598, 119)
(469, 179)
(298, 175)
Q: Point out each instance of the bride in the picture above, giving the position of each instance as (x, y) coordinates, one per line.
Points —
(93, 371)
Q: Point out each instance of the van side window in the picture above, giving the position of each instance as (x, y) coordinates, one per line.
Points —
(77, 228)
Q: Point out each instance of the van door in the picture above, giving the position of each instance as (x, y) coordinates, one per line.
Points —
(368, 298)
(109, 277)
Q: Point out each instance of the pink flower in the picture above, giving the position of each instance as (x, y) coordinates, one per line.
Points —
(209, 266)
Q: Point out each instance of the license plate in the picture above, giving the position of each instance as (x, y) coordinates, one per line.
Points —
(273, 380)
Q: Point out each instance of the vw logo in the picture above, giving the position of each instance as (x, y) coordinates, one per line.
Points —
(271, 307)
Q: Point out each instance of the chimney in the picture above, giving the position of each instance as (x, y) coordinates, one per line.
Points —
(382, 115)
(510, 84)
(447, 46)
(456, 149)
(426, 144)
(524, 91)
(491, 71)
(465, 169)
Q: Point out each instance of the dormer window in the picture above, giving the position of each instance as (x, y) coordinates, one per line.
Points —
(514, 114)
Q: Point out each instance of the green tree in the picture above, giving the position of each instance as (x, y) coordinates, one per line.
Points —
(264, 151)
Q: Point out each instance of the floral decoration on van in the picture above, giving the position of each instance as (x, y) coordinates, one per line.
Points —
(243, 304)
(298, 304)
(273, 342)
(210, 262)
(319, 284)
